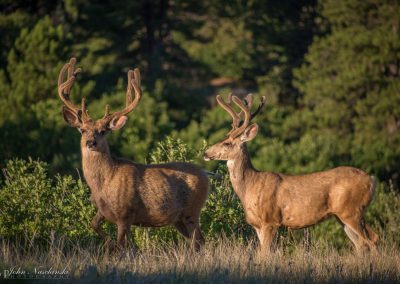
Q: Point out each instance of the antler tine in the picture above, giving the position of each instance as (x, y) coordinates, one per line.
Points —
(64, 88)
(61, 87)
(106, 111)
(85, 114)
(229, 101)
(260, 106)
(236, 122)
(61, 77)
(138, 79)
(229, 109)
(247, 116)
(133, 84)
(72, 73)
(137, 85)
(248, 100)
(129, 88)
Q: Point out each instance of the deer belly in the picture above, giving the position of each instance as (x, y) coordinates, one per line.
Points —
(300, 216)
(157, 210)
(155, 217)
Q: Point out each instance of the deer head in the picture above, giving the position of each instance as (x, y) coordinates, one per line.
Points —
(241, 131)
(94, 131)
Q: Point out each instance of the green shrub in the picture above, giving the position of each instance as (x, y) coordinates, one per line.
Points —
(34, 205)
(223, 213)
(383, 212)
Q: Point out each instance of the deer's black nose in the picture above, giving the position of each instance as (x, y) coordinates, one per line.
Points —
(91, 143)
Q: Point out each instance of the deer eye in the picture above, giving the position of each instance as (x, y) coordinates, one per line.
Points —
(226, 144)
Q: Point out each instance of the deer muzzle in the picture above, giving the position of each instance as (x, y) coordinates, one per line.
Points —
(206, 157)
(90, 144)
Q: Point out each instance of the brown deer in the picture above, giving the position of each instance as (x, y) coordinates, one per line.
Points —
(272, 200)
(126, 193)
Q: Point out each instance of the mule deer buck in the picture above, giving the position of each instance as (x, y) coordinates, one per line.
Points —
(126, 193)
(272, 200)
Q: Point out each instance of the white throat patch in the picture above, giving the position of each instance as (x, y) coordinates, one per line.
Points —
(230, 165)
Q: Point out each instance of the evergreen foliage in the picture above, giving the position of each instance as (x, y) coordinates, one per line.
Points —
(350, 81)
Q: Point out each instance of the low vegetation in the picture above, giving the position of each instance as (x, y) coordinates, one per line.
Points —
(220, 261)
(36, 205)
(44, 221)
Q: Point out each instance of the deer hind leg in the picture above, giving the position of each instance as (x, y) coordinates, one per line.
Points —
(266, 235)
(353, 237)
(371, 234)
(190, 229)
(198, 235)
(180, 226)
(357, 227)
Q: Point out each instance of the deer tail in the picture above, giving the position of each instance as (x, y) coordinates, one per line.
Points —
(372, 187)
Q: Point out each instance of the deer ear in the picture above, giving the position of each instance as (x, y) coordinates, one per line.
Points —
(71, 118)
(249, 133)
(117, 122)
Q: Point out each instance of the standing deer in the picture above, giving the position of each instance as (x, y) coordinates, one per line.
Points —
(272, 200)
(126, 193)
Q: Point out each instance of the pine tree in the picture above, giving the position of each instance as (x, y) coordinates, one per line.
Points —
(351, 84)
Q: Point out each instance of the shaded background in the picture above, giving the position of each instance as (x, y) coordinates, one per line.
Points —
(329, 69)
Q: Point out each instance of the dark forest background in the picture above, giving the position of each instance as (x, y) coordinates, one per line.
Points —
(329, 70)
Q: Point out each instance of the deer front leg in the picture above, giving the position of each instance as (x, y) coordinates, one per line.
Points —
(123, 230)
(96, 225)
(266, 235)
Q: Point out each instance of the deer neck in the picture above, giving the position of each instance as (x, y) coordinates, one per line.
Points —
(240, 169)
(97, 167)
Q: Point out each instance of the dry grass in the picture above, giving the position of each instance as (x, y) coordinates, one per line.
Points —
(219, 262)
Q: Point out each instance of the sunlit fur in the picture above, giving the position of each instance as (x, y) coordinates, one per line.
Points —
(272, 200)
(126, 193)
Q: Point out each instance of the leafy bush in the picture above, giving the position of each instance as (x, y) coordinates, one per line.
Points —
(223, 213)
(383, 212)
(34, 205)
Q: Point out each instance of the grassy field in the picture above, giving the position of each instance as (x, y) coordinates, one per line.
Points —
(219, 261)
